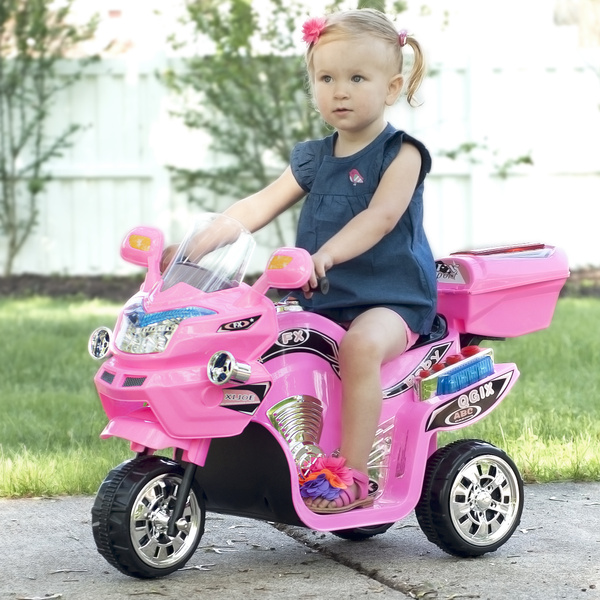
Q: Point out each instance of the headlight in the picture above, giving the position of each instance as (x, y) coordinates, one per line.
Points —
(147, 333)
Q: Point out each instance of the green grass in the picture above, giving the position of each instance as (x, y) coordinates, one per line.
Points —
(50, 415)
(550, 422)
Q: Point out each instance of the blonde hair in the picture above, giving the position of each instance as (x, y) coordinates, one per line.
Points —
(371, 22)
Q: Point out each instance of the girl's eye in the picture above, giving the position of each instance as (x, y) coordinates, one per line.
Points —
(357, 78)
(326, 79)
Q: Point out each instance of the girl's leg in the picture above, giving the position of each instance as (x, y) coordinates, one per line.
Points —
(373, 338)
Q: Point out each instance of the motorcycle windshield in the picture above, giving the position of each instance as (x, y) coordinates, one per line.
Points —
(213, 255)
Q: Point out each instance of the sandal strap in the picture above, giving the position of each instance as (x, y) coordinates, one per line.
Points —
(362, 481)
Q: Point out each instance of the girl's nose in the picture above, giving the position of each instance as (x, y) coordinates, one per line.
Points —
(340, 92)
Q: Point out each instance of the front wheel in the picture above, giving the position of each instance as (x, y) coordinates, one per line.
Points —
(472, 498)
(131, 514)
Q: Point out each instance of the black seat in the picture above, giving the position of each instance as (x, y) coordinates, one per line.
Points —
(439, 330)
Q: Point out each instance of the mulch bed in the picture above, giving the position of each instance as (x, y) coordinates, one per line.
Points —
(117, 289)
(583, 282)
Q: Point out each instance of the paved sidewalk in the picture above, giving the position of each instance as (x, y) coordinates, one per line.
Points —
(48, 552)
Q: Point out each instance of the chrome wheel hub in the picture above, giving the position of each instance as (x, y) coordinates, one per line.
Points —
(485, 500)
(482, 501)
(150, 519)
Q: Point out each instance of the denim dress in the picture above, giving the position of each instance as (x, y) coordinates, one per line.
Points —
(399, 271)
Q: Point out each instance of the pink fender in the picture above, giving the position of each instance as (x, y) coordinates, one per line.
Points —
(144, 432)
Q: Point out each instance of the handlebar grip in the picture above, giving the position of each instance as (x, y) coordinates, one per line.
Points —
(323, 285)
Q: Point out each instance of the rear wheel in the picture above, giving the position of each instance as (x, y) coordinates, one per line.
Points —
(131, 514)
(472, 498)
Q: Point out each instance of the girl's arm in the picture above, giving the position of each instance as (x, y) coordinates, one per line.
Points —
(253, 212)
(261, 208)
(388, 204)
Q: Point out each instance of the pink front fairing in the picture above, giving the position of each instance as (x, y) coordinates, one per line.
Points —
(174, 383)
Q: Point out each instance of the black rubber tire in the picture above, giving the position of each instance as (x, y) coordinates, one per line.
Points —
(472, 498)
(129, 487)
(358, 534)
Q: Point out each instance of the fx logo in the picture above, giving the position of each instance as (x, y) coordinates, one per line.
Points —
(292, 337)
(239, 325)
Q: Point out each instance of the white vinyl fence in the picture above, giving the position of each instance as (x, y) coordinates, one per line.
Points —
(114, 177)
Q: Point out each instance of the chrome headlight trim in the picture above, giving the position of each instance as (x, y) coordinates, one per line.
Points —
(149, 333)
(99, 343)
(222, 368)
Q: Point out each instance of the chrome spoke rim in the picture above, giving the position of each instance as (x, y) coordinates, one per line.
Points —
(149, 520)
(484, 500)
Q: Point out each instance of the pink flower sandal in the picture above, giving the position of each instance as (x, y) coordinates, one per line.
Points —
(330, 480)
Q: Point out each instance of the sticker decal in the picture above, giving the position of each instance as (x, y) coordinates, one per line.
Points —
(434, 356)
(470, 404)
(140, 242)
(305, 340)
(449, 273)
(293, 337)
(355, 177)
(239, 325)
(279, 261)
(245, 399)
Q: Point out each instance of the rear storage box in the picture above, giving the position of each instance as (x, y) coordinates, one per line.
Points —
(501, 292)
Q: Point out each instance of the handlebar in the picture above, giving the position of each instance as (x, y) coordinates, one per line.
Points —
(322, 285)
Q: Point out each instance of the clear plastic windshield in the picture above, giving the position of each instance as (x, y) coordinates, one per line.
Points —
(213, 256)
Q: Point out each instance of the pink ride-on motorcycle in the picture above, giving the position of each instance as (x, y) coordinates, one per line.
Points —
(247, 394)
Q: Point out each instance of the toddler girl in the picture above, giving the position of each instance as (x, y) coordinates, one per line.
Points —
(362, 223)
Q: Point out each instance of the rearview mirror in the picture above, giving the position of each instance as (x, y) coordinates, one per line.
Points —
(288, 269)
(143, 246)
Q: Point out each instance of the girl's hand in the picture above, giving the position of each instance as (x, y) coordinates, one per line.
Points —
(322, 262)
(167, 256)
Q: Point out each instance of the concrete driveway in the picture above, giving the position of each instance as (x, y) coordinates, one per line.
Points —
(48, 552)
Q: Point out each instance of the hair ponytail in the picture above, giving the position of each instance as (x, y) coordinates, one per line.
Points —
(418, 71)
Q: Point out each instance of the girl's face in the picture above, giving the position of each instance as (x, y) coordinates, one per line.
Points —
(353, 81)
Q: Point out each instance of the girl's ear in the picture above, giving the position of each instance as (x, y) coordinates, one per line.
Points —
(395, 86)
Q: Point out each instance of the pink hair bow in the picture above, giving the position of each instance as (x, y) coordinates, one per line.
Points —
(402, 35)
(312, 29)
